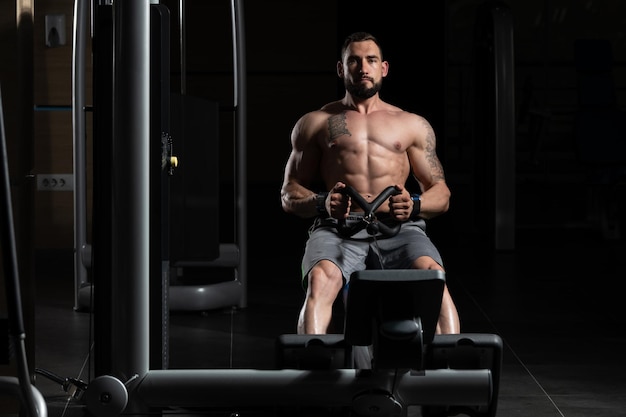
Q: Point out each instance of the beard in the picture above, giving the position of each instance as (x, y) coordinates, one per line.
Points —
(361, 91)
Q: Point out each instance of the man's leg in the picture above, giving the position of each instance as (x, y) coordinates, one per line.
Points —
(324, 284)
(449, 322)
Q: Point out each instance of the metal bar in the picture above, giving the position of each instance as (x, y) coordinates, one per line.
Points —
(82, 253)
(130, 203)
(247, 387)
(240, 104)
(183, 47)
(8, 246)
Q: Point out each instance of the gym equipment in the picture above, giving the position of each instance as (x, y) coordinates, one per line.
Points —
(165, 112)
(33, 404)
(224, 255)
(395, 310)
(369, 220)
(394, 313)
(82, 249)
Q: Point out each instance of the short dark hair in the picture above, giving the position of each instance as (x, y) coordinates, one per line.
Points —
(360, 37)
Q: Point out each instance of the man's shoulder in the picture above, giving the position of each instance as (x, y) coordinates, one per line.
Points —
(400, 113)
(409, 116)
(333, 107)
(322, 114)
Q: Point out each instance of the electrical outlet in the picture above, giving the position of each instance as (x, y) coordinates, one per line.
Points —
(55, 182)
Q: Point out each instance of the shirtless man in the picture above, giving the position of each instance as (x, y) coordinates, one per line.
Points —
(368, 144)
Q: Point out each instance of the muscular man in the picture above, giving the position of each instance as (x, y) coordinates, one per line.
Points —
(368, 144)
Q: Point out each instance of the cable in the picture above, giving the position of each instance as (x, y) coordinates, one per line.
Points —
(72, 386)
(54, 377)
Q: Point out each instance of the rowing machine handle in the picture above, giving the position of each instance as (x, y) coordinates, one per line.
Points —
(369, 217)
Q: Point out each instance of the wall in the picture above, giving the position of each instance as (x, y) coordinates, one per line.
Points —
(53, 138)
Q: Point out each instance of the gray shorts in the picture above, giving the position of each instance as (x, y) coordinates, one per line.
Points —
(363, 251)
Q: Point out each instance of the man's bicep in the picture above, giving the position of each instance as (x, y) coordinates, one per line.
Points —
(426, 168)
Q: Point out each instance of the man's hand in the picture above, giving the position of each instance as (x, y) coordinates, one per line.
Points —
(338, 203)
(401, 205)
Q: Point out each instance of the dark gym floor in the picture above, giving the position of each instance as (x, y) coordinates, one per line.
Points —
(555, 301)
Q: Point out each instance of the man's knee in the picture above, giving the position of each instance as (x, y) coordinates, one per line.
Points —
(426, 262)
(325, 277)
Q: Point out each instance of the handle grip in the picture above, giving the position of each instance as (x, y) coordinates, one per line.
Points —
(369, 218)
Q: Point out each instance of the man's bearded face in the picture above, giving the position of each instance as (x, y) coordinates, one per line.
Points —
(361, 91)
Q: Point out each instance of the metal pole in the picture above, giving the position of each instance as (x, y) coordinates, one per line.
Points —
(183, 47)
(247, 387)
(82, 252)
(10, 264)
(130, 189)
(239, 58)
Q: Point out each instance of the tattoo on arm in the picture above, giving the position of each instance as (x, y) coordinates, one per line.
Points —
(337, 126)
(431, 155)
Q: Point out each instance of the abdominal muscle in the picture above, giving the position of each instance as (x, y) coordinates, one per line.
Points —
(368, 174)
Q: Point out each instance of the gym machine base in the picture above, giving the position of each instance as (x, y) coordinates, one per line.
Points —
(393, 312)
